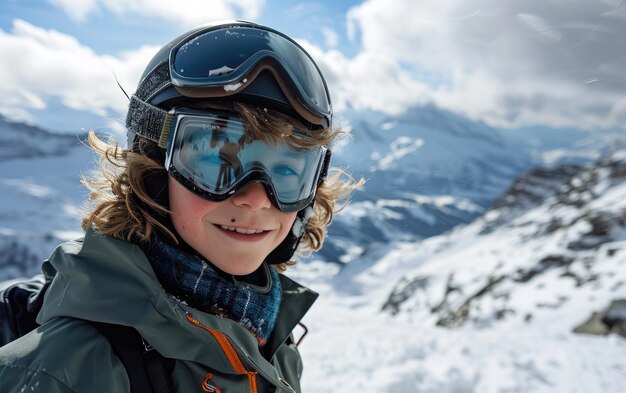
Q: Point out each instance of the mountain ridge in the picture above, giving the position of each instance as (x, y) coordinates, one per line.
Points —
(569, 243)
(20, 140)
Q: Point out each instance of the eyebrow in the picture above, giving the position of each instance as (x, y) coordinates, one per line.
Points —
(291, 153)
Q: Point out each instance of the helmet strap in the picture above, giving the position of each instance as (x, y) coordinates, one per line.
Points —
(285, 250)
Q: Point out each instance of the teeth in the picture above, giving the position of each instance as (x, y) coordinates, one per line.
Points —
(241, 230)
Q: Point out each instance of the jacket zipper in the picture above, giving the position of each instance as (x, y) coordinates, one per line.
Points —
(231, 354)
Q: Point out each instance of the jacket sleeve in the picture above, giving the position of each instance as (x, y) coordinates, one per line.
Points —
(64, 355)
(17, 379)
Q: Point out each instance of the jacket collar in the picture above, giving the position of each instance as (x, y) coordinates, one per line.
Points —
(296, 301)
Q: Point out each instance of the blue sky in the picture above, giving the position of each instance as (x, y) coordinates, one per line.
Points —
(511, 64)
(108, 33)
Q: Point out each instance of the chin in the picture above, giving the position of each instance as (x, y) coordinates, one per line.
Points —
(241, 272)
(240, 269)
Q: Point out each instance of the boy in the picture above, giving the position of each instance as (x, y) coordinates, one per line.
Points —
(224, 178)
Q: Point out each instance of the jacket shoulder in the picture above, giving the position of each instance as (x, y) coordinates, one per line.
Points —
(63, 355)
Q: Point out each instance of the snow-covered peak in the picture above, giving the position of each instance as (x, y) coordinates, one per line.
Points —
(427, 170)
(19, 140)
(560, 259)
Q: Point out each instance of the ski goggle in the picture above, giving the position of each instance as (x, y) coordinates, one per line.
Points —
(210, 155)
(221, 61)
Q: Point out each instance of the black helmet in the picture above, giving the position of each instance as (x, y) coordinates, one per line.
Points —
(237, 60)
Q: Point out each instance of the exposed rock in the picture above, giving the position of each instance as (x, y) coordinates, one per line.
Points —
(601, 224)
(593, 325)
(610, 320)
(615, 317)
(17, 259)
(403, 291)
(535, 186)
(454, 317)
(546, 263)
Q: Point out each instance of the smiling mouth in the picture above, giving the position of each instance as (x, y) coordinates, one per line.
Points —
(242, 231)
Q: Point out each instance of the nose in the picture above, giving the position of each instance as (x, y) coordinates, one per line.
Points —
(252, 196)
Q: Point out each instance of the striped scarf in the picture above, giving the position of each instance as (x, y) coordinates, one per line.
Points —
(192, 279)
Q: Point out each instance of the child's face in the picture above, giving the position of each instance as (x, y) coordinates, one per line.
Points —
(201, 224)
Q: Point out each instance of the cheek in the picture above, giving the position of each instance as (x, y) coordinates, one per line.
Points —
(186, 208)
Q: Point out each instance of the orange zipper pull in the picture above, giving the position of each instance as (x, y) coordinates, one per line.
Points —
(208, 386)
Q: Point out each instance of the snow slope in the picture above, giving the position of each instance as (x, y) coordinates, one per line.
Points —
(41, 195)
(488, 307)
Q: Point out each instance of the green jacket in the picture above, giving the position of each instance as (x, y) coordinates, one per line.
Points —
(102, 279)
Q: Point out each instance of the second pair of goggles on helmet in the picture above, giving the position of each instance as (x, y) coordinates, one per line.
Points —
(240, 60)
(211, 155)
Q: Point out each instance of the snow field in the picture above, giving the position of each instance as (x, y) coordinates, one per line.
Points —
(352, 348)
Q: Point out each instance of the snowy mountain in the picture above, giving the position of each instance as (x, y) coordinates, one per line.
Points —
(487, 307)
(41, 194)
(429, 170)
(556, 237)
(18, 141)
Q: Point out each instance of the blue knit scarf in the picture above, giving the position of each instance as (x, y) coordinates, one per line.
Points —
(190, 278)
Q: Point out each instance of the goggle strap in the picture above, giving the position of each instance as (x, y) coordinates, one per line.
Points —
(148, 121)
(156, 80)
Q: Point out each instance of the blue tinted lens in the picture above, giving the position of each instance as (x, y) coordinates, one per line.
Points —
(212, 154)
(194, 62)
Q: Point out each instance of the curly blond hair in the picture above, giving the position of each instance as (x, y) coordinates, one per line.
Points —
(122, 207)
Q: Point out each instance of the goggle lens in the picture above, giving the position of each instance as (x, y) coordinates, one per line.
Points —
(213, 156)
(194, 64)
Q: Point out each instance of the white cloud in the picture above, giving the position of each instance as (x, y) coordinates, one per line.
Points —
(331, 37)
(302, 10)
(186, 13)
(39, 64)
(76, 9)
(506, 62)
(366, 81)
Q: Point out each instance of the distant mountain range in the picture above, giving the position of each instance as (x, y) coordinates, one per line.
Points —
(427, 171)
(41, 194)
(20, 141)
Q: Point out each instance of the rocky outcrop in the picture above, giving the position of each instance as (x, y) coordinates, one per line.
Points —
(610, 320)
(563, 228)
(534, 187)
